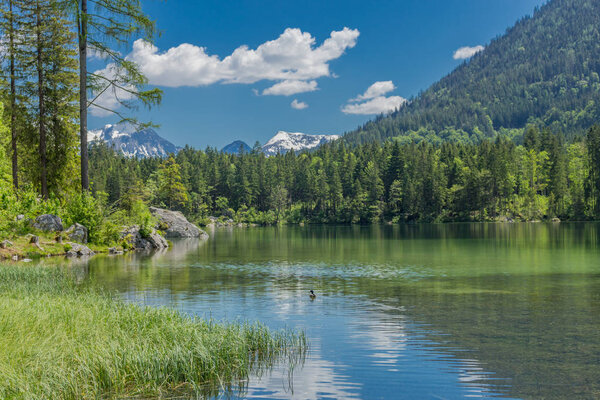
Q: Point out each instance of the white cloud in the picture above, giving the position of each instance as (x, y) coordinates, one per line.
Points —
(290, 87)
(373, 100)
(299, 105)
(467, 52)
(375, 90)
(94, 53)
(292, 56)
(111, 97)
(378, 105)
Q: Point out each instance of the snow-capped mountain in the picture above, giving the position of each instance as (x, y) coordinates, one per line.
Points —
(234, 147)
(283, 142)
(133, 143)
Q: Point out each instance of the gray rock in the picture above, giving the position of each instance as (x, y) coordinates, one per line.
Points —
(20, 217)
(15, 258)
(555, 219)
(79, 250)
(157, 241)
(176, 225)
(5, 244)
(114, 250)
(48, 222)
(153, 242)
(78, 233)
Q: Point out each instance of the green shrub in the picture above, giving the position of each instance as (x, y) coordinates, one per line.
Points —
(141, 216)
(85, 209)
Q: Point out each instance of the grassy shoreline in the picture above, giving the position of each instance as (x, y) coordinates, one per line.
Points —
(49, 247)
(61, 340)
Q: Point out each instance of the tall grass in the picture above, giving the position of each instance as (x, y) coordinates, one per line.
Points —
(63, 341)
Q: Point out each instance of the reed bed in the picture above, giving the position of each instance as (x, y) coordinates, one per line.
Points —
(61, 340)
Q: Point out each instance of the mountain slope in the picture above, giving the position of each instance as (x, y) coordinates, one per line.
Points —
(283, 142)
(132, 143)
(544, 70)
(235, 147)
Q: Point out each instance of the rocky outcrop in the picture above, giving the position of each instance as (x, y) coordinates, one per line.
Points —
(48, 223)
(78, 233)
(78, 250)
(175, 225)
(154, 241)
(114, 251)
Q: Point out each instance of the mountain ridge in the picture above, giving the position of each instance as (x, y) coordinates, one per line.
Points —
(284, 141)
(542, 71)
(131, 142)
(235, 146)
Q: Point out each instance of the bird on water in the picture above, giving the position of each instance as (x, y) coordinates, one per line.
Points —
(312, 295)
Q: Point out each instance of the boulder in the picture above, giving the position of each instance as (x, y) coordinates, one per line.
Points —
(114, 250)
(78, 233)
(157, 241)
(152, 242)
(176, 225)
(48, 223)
(20, 217)
(555, 219)
(79, 250)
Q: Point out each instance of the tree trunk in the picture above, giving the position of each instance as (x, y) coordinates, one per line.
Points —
(13, 102)
(85, 184)
(42, 111)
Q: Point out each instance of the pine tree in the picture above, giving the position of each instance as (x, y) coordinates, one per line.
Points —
(49, 59)
(10, 28)
(170, 188)
(113, 22)
(593, 182)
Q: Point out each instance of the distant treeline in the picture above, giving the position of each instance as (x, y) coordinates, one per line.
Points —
(544, 178)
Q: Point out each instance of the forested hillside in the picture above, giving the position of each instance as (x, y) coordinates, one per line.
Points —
(543, 71)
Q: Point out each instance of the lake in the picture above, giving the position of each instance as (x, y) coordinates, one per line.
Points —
(415, 312)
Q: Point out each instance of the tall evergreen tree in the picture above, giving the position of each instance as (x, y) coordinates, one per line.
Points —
(112, 22)
(593, 147)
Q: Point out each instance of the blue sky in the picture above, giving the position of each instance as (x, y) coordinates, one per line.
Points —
(211, 101)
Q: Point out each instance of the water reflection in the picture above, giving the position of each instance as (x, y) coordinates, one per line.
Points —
(428, 311)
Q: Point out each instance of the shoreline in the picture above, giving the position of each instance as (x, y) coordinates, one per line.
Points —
(23, 251)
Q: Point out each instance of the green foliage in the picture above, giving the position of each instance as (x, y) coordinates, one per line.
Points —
(140, 215)
(171, 190)
(83, 208)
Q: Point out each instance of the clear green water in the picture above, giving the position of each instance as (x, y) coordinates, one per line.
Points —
(424, 311)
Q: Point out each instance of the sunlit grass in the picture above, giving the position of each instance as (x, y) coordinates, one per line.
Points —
(60, 340)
